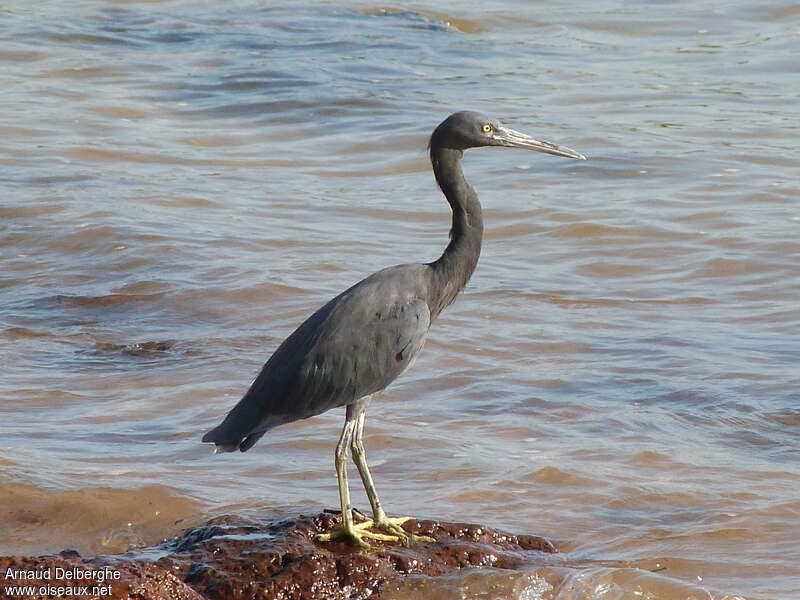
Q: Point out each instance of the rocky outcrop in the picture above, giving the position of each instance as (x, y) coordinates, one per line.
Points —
(238, 558)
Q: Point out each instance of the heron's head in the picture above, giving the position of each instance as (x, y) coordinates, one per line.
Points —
(467, 129)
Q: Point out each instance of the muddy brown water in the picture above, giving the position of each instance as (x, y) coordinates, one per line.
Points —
(184, 182)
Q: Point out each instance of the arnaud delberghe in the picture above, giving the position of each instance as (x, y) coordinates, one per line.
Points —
(99, 575)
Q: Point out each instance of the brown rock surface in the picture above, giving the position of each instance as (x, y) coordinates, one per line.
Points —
(235, 557)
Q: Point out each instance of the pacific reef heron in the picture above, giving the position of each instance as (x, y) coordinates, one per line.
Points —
(367, 336)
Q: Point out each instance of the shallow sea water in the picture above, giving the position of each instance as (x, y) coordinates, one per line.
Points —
(183, 182)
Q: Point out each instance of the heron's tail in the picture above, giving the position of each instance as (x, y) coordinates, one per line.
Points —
(214, 437)
(225, 443)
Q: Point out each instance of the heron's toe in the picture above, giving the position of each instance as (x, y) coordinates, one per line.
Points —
(393, 526)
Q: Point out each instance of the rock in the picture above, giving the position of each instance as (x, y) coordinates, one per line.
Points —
(238, 558)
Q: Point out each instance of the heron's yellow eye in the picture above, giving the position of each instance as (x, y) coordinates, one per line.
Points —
(487, 128)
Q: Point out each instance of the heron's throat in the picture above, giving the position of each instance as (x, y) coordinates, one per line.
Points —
(452, 270)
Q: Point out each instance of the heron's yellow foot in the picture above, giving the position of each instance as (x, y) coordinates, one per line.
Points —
(392, 527)
(355, 535)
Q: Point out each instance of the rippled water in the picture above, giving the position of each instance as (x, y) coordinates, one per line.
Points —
(184, 182)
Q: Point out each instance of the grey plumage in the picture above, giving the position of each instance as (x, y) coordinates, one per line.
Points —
(352, 347)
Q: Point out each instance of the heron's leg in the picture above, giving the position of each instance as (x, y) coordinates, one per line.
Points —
(355, 533)
(360, 458)
(340, 462)
(391, 526)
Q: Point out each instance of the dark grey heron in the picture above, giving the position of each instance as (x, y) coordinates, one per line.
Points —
(367, 336)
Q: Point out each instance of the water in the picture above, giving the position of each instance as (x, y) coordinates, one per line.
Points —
(184, 182)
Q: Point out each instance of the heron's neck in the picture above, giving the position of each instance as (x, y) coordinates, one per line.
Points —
(451, 272)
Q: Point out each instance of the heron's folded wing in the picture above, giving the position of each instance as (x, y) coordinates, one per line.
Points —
(362, 354)
(353, 346)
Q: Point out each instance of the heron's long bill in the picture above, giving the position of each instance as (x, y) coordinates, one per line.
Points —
(515, 139)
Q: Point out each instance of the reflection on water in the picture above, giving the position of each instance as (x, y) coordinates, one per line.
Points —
(184, 183)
